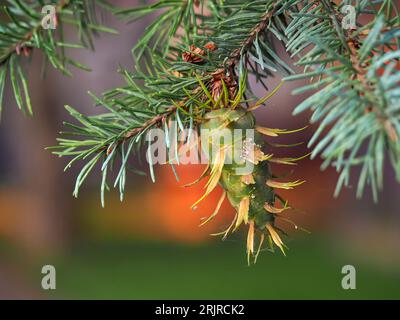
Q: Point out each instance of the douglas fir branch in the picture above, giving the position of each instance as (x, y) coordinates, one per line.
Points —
(197, 64)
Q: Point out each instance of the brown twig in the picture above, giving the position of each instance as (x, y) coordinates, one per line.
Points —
(150, 122)
(261, 26)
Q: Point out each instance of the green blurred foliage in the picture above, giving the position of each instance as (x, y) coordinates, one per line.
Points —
(134, 270)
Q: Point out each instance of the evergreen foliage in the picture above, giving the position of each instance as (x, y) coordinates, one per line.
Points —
(23, 30)
(354, 78)
(195, 60)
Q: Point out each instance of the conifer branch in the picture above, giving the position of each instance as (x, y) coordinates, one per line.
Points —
(354, 80)
(234, 58)
(236, 55)
(15, 48)
(24, 31)
(179, 85)
(344, 67)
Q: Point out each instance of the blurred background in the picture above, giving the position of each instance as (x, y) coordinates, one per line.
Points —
(150, 246)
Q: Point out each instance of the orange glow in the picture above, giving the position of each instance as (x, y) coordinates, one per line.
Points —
(170, 202)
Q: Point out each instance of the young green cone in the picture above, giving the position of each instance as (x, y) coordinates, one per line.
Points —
(233, 147)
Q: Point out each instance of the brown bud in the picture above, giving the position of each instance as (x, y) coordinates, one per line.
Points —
(210, 46)
(193, 55)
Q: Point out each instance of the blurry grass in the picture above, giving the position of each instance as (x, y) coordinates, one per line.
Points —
(214, 271)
